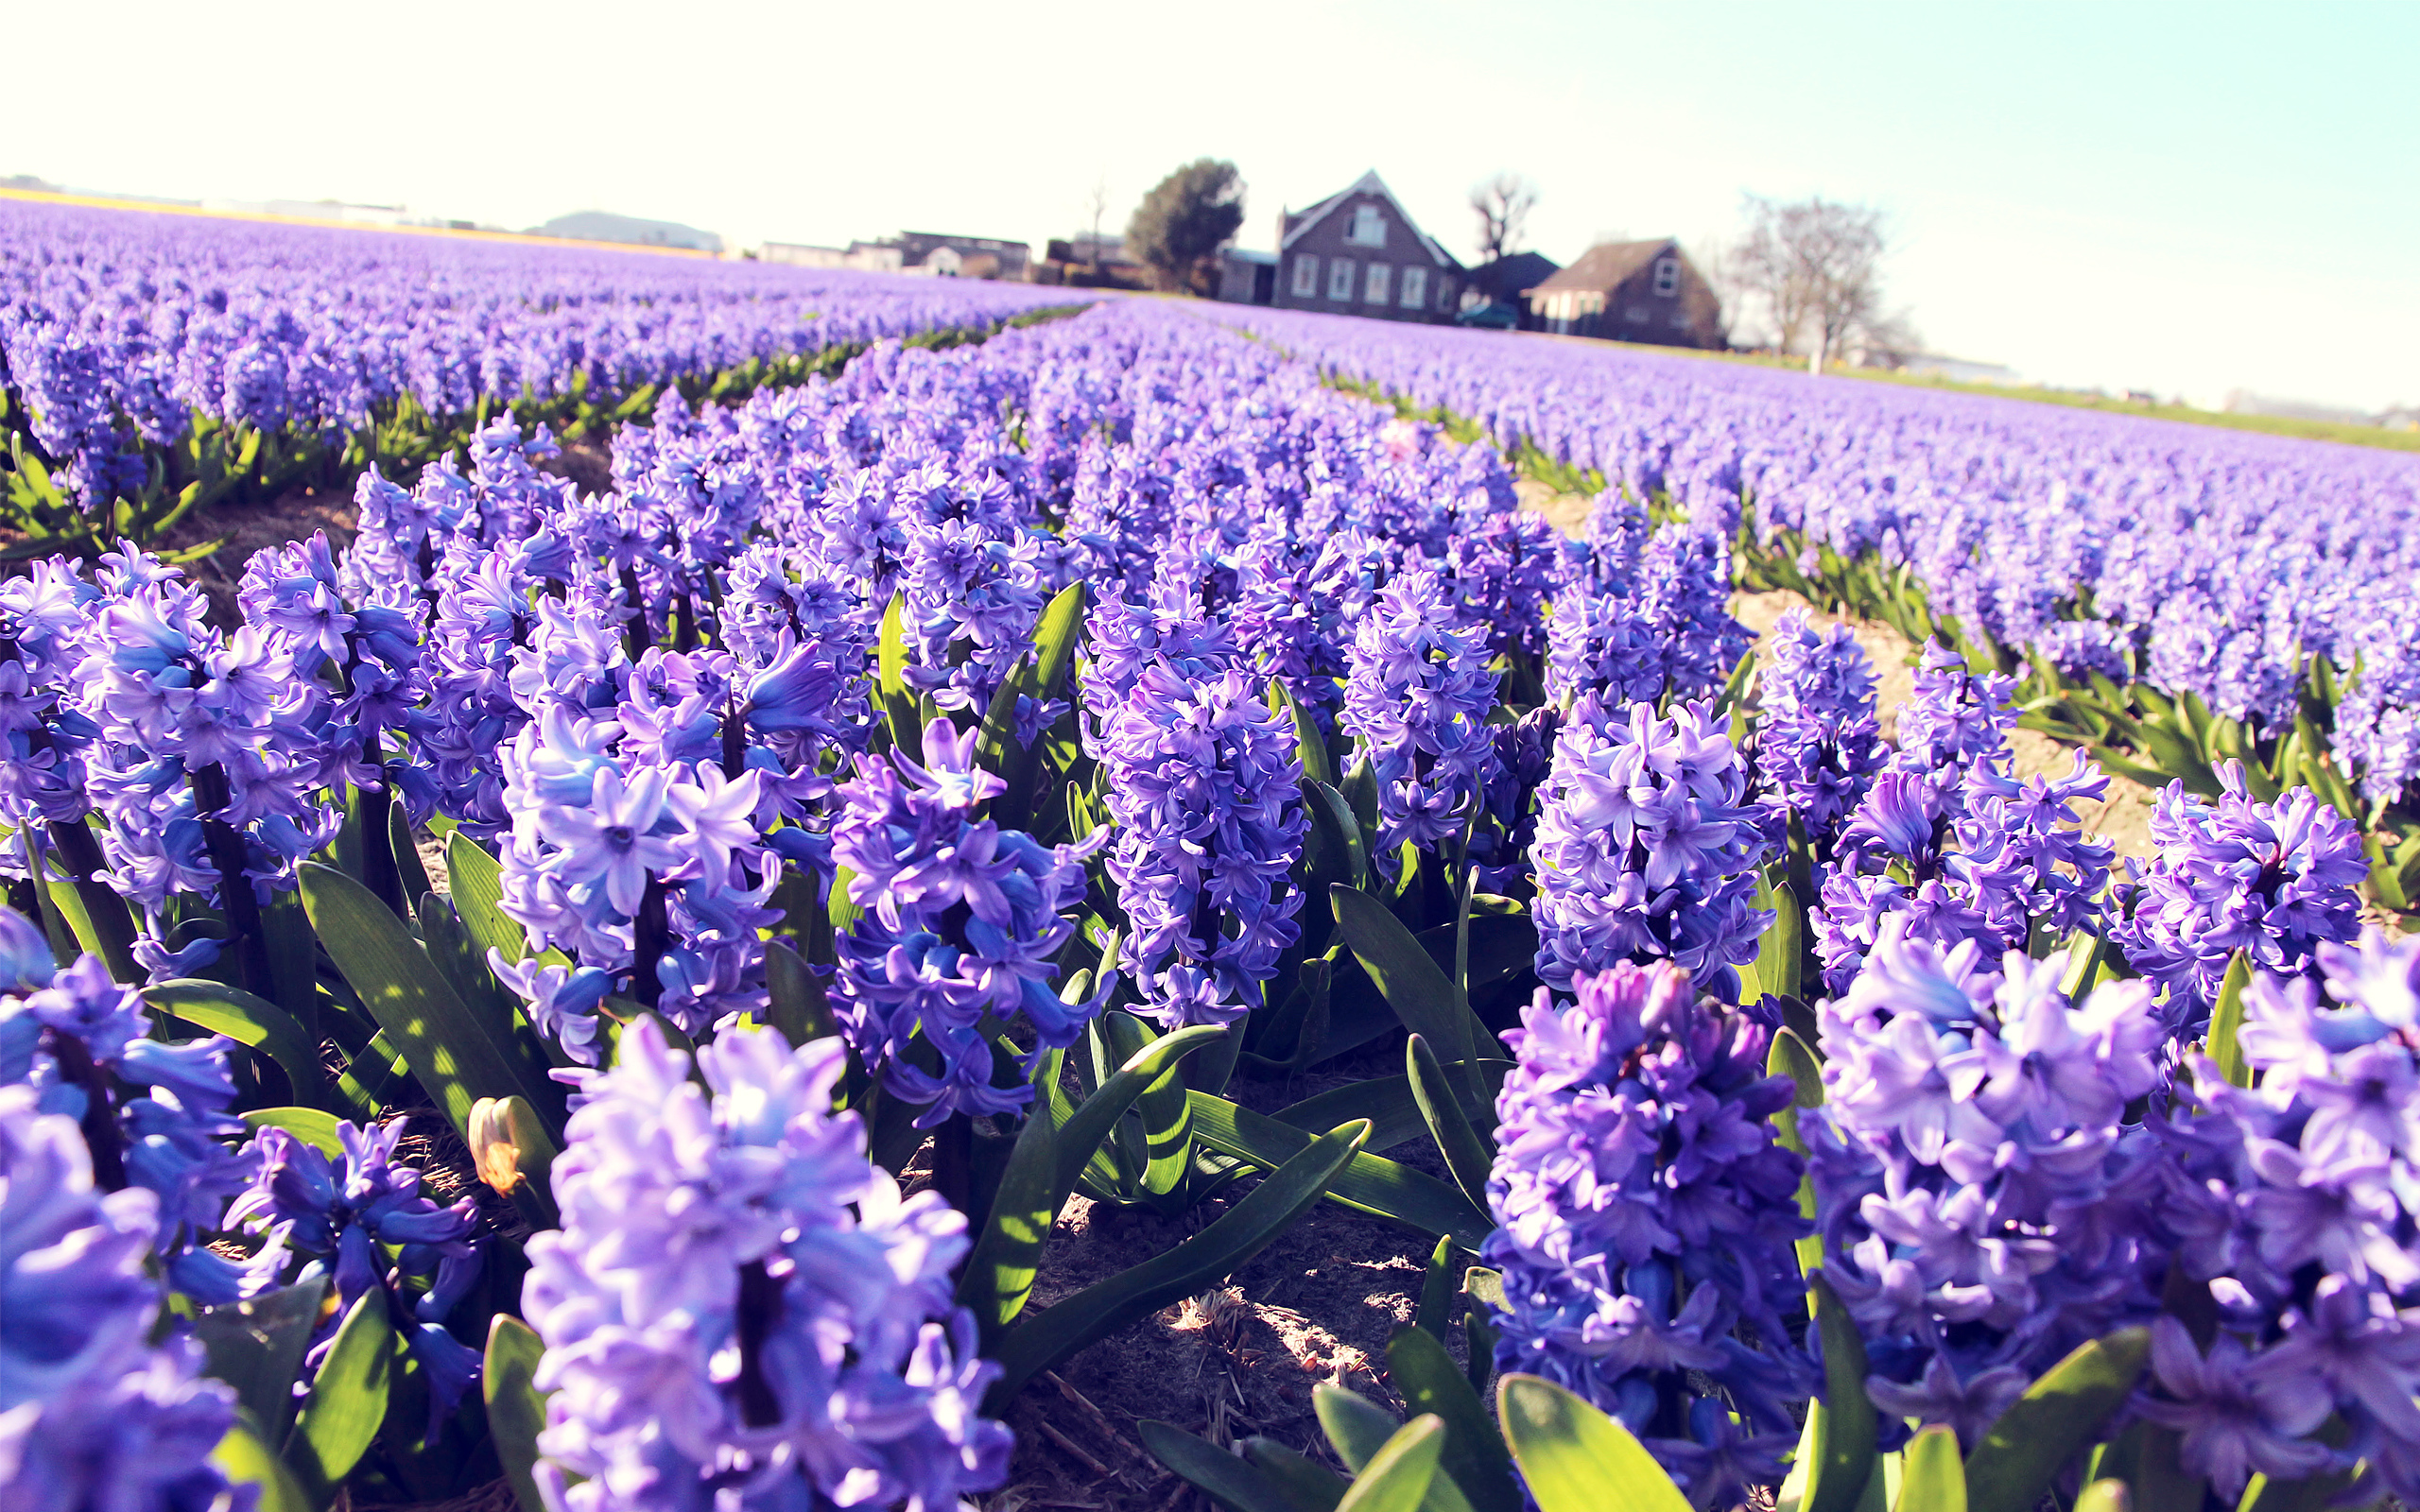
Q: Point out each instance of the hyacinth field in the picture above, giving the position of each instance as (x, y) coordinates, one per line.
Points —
(603, 999)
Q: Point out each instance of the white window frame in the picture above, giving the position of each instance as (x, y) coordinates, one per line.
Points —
(1378, 283)
(1414, 287)
(1667, 276)
(1368, 226)
(1306, 275)
(1340, 280)
(1444, 292)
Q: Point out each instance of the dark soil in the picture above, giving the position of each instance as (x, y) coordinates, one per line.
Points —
(247, 528)
(1239, 1358)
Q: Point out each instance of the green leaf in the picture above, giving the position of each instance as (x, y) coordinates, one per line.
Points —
(1307, 1485)
(1837, 1478)
(2055, 1422)
(997, 736)
(1369, 1183)
(1932, 1479)
(836, 905)
(99, 918)
(1231, 1482)
(1436, 1309)
(412, 871)
(1414, 986)
(2227, 1022)
(1397, 1477)
(256, 1347)
(310, 1124)
(516, 1411)
(1054, 640)
(477, 890)
(1475, 1455)
(1467, 1156)
(1385, 1101)
(377, 1077)
(1360, 789)
(1332, 852)
(254, 1022)
(1357, 1428)
(890, 662)
(464, 963)
(796, 1002)
(998, 1277)
(1478, 1346)
(1790, 1057)
(1236, 1235)
(1782, 949)
(245, 1458)
(1087, 1128)
(1576, 1459)
(347, 1399)
(1308, 740)
(1167, 1117)
(455, 1057)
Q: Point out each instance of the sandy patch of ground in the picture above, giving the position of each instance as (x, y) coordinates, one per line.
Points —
(2122, 819)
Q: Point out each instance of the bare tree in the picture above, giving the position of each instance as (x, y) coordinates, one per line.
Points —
(1095, 207)
(1502, 204)
(1815, 264)
(1712, 254)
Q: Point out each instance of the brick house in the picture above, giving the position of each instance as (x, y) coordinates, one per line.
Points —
(1356, 253)
(1631, 291)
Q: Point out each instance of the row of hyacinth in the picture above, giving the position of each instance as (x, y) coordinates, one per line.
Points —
(124, 1177)
(122, 330)
(654, 704)
(2205, 560)
(2001, 1171)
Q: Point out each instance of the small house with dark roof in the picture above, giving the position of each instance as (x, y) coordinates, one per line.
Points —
(1631, 291)
(1356, 253)
(1506, 279)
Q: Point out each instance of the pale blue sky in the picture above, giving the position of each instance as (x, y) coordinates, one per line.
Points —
(2187, 197)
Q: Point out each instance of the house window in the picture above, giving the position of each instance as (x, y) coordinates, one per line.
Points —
(1444, 294)
(1340, 279)
(1378, 284)
(1369, 228)
(1680, 319)
(1415, 288)
(1667, 276)
(1637, 315)
(1306, 275)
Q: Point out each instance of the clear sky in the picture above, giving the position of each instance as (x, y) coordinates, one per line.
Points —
(2189, 198)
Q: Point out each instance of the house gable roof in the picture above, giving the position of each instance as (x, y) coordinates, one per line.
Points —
(1369, 183)
(1605, 266)
(1515, 274)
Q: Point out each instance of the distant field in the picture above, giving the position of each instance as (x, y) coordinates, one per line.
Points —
(2308, 430)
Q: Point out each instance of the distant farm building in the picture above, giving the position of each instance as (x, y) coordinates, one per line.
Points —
(1356, 253)
(1506, 279)
(913, 251)
(1085, 263)
(1631, 291)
